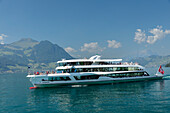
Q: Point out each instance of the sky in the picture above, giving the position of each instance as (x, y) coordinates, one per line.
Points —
(110, 28)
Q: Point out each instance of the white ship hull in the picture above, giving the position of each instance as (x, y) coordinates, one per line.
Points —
(102, 80)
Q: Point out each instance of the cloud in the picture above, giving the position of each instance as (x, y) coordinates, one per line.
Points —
(157, 33)
(91, 47)
(2, 36)
(70, 50)
(139, 36)
(113, 44)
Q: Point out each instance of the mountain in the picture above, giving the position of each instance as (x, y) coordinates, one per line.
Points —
(152, 61)
(167, 65)
(24, 43)
(39, 55)
(46, 52)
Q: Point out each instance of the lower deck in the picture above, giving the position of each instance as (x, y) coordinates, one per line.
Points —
(99, 81)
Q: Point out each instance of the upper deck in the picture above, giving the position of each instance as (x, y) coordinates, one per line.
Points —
(94, 60)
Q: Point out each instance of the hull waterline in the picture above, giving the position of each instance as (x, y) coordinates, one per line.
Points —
(44, 85)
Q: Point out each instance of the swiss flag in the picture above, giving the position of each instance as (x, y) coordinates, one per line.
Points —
(161, 70)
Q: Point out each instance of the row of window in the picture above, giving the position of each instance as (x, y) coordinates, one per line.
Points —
(74, 63)
(90, 77)
(103, 69)
(117, 75)
(134, 74)
(58, 79)
(86, 63)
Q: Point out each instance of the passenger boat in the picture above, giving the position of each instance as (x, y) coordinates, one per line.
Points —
(91, 71)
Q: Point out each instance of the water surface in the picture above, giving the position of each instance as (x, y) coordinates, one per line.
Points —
(148, 96)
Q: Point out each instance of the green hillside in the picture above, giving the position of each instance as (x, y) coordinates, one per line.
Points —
(167, 65)
(19, 55)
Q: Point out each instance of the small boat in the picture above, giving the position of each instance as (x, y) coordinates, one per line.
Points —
(92, 71)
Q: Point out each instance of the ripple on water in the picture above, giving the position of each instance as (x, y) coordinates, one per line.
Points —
(150, 96)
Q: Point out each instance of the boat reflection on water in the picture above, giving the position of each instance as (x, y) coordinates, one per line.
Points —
(94, 98)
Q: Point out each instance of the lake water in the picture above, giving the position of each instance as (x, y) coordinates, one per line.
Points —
(148, 96)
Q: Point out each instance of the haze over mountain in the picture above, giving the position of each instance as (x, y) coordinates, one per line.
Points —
(28, 52)
(152, 61)
(25, 43)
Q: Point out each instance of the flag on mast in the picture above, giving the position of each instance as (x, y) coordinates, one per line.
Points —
(161, 70)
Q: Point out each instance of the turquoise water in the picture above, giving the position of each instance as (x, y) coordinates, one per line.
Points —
(148, 96)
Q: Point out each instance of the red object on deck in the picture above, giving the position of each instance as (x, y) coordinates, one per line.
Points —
(47, 72)
(38, 73)
(32, 87)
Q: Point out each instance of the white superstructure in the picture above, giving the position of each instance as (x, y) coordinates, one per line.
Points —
(91, 71)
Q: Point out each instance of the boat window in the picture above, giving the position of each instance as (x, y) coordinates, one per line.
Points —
(118, 69)
(74, 63)
(146, 74)
(58, 79)
(62, 64)
(89, 77)
(104, 69)
(110, 69)
(130, 74)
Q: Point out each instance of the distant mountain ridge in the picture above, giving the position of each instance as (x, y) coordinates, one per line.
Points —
(167, 65)
(28, 52)
(25, 43)
(152, 61)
